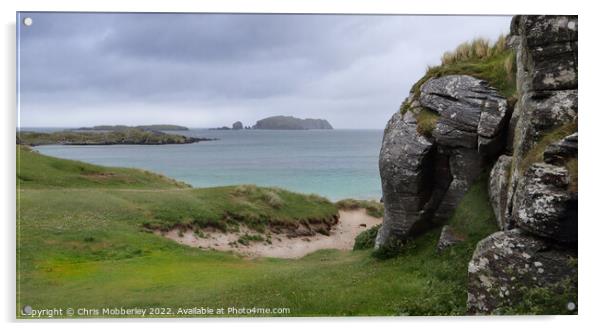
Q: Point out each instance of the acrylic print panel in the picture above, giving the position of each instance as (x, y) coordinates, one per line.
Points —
(249, 165)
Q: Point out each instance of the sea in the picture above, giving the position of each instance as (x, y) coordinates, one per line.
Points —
(336, 164)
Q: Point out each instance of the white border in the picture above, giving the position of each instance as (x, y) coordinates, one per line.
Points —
(591, 119)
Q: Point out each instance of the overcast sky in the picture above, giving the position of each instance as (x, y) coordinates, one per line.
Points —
(208, 70)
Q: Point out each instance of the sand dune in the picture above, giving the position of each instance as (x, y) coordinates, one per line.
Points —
(342, 237)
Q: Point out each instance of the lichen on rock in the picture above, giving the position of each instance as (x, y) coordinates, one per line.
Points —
(508, 263)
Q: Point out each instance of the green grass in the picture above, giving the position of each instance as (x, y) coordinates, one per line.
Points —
(474, 218)
(85, 246)
(39, 171)
(373, 208)
(550, 300)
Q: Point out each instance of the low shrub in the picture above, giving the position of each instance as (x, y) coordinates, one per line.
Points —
(366, 239)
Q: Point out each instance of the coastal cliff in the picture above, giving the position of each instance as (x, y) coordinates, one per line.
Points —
(507, 112)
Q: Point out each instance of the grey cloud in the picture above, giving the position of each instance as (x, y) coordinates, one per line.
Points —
(241, 66)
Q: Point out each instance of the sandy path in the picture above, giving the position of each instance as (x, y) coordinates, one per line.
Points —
(342, 237)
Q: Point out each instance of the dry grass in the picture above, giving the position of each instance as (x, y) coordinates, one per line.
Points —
(479, 58)
(478, 48)
(273, 199)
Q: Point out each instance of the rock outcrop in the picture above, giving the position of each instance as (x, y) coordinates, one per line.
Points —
(533, 191)
(545, 207)
(425, 175)
(454, 127)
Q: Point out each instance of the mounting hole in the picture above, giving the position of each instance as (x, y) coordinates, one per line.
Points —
(27, 310)
(571, 306)
(28, 21)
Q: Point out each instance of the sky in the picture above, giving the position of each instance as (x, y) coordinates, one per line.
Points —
(210, 70)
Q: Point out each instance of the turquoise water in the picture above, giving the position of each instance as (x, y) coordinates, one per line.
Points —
(334, 163)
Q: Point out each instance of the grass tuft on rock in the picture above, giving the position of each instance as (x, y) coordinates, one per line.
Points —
(481, 59)
(426, 121)
(536, 153)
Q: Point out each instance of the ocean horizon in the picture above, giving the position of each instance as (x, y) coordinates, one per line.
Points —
(337, 164)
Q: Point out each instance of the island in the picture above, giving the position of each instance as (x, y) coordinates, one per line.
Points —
(291, 123)
(126, 136)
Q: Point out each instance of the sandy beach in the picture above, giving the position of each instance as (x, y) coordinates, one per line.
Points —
(342, 236)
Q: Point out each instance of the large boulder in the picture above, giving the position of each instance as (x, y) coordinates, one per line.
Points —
(544, 205)
(508, 264)
(424, 177)
(473, 114)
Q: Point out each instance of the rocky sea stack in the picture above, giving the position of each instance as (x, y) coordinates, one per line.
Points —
(458, 125)
(237, 125)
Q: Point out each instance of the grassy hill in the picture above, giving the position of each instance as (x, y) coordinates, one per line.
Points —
(39, 171)
(82, 242)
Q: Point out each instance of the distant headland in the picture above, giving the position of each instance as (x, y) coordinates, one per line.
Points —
(159, 127)
(282, 123)
(110, 135)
